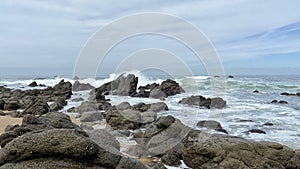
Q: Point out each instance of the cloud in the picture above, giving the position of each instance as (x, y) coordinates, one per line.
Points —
(56, 30)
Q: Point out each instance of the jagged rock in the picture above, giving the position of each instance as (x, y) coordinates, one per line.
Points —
(77, 86)
(33, 84)
(202, 150)
(123, 85)
(162, 136)
(87, 107)
(201, 101)
(58, 104)
(171, 160)
(211, 124)
(38, 107)
(167, 88)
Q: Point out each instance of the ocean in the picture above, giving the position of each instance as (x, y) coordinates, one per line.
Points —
(242, 103)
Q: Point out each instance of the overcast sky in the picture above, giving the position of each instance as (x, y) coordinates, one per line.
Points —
(251, 36)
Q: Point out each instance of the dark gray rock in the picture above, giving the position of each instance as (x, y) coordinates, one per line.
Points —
(39, 107)
(167, 88)
(77, 86)
(202, 150)
(201, 101)
(268, 124)
(80, 99)
(171, 160)
(87, 107)
(33, 84)
(2, 103)
(211, 124)
(12, 105)
(256, 131)
(2, 113)
(58, 104)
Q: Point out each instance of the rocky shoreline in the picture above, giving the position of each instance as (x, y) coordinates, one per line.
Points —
(49, 139)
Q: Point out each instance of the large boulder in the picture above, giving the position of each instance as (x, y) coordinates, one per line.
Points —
(163, 136)
(91, 116)
(104, 139)
(201, 101)
(156, 107)
(77, 86)
(167, 88)
(58, 104)
(38, 107)
(33, 84)
(129, 119)
(211, 124)
(123, 85)
(202, 150)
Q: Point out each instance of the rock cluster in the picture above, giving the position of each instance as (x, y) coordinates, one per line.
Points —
(201, 101)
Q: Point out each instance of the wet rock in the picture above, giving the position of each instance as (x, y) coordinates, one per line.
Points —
(171, 160)
(256, 131)
(274, 101)
(298, 94)
(211, 124)
(91, 116)
(201, 101)
(255, 91)
(230, 76)
(167, 88)
(156, 107)
(202, 150)
(33, 84)
(244, 121)
(268, 124)
(77, 86)
(283, 102)
(287, 94)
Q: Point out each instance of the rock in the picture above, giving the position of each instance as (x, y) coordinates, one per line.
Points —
(48, 163)
(274, 101)
(171, 160)
(33, 84)
(256, 131)
(158, 165)
(283, 102)
(15, 132)
(211, 124)
(2, 113)
(201, 101)
(38, 107)
(58, 104)
(156, 107)
(77, 86)
(128, 119)
(138, 151)
(58, 120)
(91, 116)
(255, 91)
(87, 107)
(230, 76)
(64, 143)
(79, 99)
(12, 105)
(162, 136)
(2, 103)
(104, 139)
(123, 85)
(71, 110)
(123, 106)
(202, 150)
(169, 88)
(298, 94)
(245, 121)
(63, 89)
(287, 94)
(268, 124)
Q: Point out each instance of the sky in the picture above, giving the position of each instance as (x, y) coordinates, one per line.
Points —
(45, 37)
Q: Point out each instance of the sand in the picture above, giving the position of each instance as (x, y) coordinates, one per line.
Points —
(8, 120)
